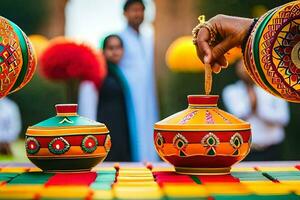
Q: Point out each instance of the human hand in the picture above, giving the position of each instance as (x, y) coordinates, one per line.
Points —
(230, 33)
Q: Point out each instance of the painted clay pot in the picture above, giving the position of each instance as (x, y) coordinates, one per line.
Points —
(67, 142)
(17, 58)
(272, 55)
(202, 139)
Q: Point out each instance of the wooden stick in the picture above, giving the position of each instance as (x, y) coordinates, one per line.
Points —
(208, 79)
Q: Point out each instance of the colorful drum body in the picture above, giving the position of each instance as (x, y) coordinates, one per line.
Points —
(17, 58)
(67, 142)
(202, 139)
(272, 54)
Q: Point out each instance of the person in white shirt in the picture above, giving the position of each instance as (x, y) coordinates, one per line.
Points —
(136, 66)
(266, 113)
(138, 69)
(10, 124)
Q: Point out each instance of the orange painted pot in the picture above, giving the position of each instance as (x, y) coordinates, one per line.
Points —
(67, 142)
(202, 139)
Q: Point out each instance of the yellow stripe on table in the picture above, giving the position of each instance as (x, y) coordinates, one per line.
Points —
(276, 169)
(136, 169)
(292, 185)
(226, 188)
(137, 192)
(134, 179)
(14, 169)
(188, 190)
(163, 169)
(268, 188)
(35, 169)
(135, 173)
(20, 191)
(136, 184)
(102, 194)
(243, 169)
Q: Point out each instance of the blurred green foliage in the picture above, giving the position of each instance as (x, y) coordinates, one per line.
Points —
(29, 15)
(37, 99)
(174, 88)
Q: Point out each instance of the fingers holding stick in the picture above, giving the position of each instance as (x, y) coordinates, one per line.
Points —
(202, 45)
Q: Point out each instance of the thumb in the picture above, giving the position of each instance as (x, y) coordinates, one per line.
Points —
(221, 49)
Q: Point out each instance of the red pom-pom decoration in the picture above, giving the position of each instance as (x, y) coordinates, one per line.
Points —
(65, 59)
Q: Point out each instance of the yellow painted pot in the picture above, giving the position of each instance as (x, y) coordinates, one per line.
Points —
(202, 139)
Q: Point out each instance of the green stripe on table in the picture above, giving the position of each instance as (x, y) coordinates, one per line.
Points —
(7, 176)
(113, 171)
(249, 176)
(101, 186)
(262, 178)
(292, 175)
(105, 178)
(31, 178)
(246, 174)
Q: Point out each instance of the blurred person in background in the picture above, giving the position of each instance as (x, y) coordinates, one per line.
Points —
(137, 66)
(111, 103)
(266, 113)
(10, 125)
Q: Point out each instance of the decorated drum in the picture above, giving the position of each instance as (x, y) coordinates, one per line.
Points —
(202, 139)
(272, 54)
(67, 142)
(17, 58)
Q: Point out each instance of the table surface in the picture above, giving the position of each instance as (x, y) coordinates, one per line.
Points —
(248, 180)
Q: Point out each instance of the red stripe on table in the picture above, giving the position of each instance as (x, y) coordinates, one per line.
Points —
(84, 178)
(196, 136)
(298, 167)
(171, 177)
(218, 178)
(74, 140)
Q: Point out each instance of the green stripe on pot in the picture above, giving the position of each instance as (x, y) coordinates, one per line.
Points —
(24, 51)
(257, 37)
(67, 121)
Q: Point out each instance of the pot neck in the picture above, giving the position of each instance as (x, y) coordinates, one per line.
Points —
(203, 100)
(66, 109)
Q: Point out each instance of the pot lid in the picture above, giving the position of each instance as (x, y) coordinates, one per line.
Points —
(202, 114)
(67, 122)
